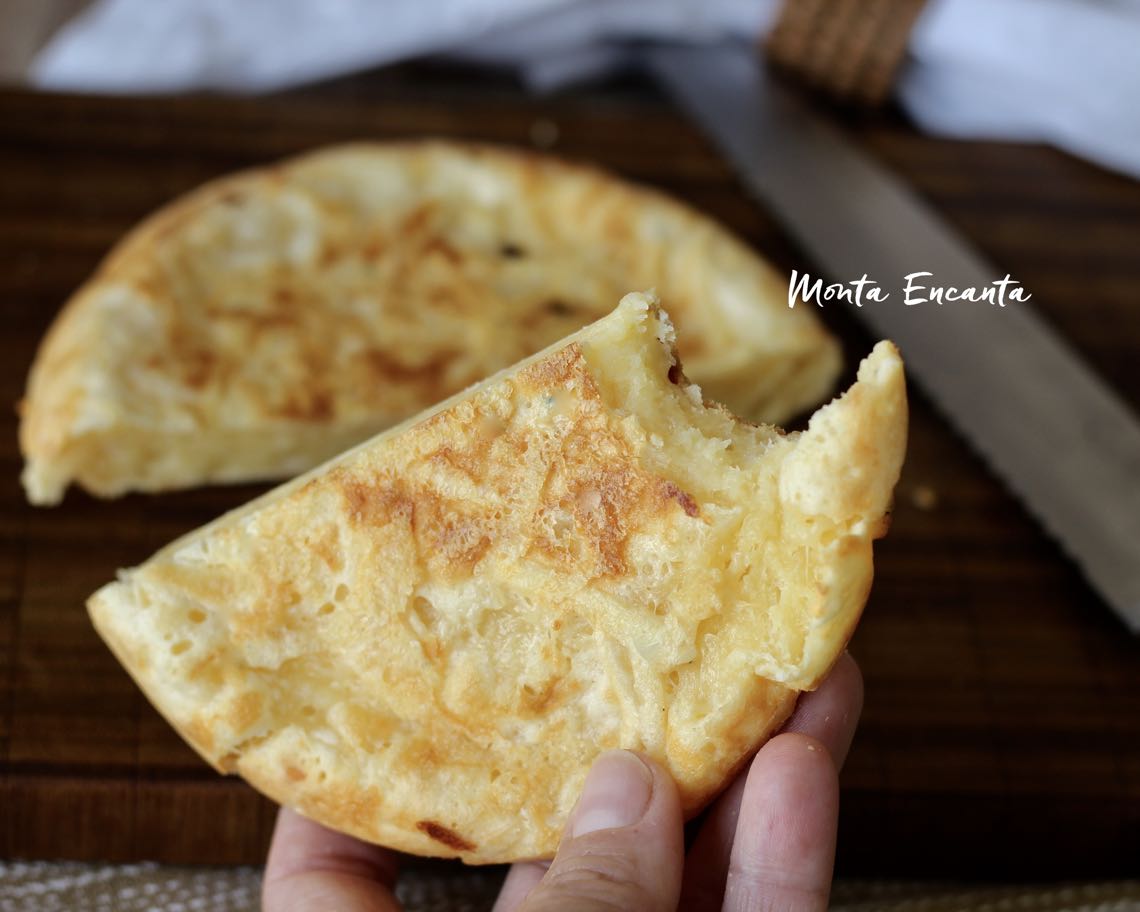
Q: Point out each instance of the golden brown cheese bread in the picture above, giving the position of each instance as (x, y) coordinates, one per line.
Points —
(270, 320)
(428, 640)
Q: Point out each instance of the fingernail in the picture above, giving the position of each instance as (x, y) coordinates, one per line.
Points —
(616, 794)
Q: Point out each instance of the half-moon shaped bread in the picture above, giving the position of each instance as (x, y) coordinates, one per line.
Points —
(270, 320)
(428, 640)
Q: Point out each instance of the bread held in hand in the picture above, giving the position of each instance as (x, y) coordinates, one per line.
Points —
(428, 640)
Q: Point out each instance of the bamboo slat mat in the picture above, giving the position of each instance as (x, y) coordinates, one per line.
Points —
(1001, 733)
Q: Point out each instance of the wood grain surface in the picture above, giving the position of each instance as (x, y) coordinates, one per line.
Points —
(1001, 735)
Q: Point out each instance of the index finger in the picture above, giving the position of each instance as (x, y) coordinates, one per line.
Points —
(829, 715)
(313, 867)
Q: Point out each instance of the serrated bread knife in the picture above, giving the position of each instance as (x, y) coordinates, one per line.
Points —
(1058, 436)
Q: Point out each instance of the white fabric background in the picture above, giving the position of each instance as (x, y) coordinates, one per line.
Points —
(1065, 72)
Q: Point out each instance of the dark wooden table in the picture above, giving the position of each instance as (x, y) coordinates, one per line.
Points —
(1001, 736)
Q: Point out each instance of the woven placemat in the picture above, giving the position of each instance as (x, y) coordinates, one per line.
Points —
(38, 886)
(850, 49)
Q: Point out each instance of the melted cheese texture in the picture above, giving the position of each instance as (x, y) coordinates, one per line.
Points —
(270, 320)
(427, 641)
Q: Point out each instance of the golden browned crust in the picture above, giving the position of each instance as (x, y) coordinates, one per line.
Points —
(427, 641)
(269, 320)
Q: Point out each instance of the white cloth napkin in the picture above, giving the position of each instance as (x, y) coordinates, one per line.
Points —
(1065, 72)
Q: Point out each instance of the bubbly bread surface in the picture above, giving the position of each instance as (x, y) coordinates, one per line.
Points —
(427, 641)
(266, 322)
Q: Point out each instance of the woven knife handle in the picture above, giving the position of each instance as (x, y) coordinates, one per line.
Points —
(850, 49)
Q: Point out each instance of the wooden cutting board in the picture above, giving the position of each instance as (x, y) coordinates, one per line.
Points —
(1001, 735)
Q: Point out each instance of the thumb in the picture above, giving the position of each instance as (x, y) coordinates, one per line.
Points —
(623, 847)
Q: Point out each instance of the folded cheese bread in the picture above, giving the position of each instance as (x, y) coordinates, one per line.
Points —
(272, 319)
(427, 641)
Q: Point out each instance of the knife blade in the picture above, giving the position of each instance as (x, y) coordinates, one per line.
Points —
(1058, 436)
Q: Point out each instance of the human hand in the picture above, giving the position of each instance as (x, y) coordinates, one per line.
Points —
(767, 842)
